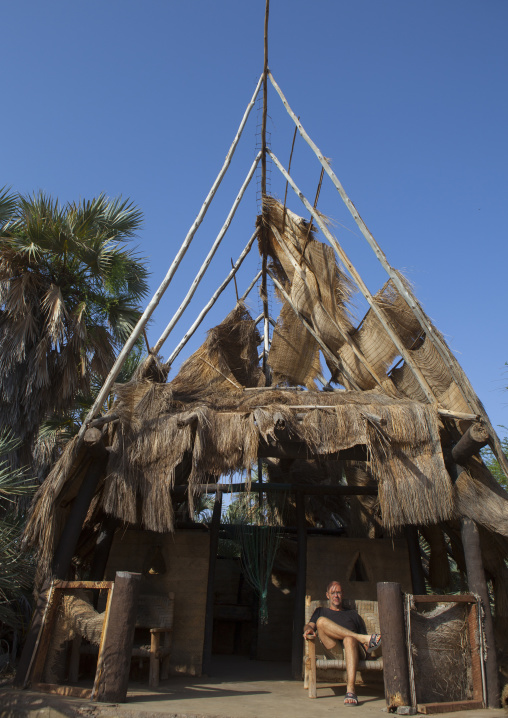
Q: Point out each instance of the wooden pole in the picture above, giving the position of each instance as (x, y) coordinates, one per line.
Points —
(478, 585)
(32, 638)
(103, 548)
(199, 276)
(263, 288)
(391, 620)
(434, 335)
(212, 300)
(378, 311)
(301, 582)
(113, 675)
(469, 444)
(70, 534)
(115, 369)
(250, 287)
(415, 560)
(212, 560)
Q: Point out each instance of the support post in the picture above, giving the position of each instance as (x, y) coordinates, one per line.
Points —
(102, 548)
(214, 544)
(113, 675)
(478, 585)
(32, 638)
(415, 561)
(70, 535)
(391, 620)
(301, 580)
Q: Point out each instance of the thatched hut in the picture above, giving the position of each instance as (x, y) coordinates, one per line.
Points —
(369, 469)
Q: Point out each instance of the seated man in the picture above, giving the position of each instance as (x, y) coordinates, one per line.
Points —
(335, 623)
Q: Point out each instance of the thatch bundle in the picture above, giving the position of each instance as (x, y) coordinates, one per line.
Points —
(318, 288)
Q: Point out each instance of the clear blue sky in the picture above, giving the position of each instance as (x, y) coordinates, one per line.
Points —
(408, 98)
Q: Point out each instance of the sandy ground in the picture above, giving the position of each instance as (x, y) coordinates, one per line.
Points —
(239, 688)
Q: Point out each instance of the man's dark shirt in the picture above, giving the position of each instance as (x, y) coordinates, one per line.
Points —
(346, 618)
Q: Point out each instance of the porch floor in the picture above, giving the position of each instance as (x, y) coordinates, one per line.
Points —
(239, 688)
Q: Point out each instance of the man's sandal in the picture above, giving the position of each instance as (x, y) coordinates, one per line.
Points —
(375, 642)
(350, 699)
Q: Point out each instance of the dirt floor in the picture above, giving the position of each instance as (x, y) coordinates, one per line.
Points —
(239, 688)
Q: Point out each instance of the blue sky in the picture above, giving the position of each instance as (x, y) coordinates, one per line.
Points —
(409, 99)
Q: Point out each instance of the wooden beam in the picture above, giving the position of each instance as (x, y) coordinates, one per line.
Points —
(478, 585)
(212, 300)
(72, 529)
(393, 630)
(415, 560)
(201, 272)
(250, 287)
(456, 371)
(376, 308)
(470, 443)
(212, 561)
(449, 707)
(111, 684)
(268, 487)
(32, 638)
(136, 332)
(301, 581)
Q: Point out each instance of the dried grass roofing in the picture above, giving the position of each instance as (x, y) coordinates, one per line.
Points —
(210, 420)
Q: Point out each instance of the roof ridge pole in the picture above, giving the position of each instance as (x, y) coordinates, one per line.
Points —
(115, 369)
(378, 311)
(212, 301)
(264, 226)
(199, 276)
(454, 367)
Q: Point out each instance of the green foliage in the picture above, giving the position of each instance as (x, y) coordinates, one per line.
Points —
(493, 465)
(16, 568)
(70, 287)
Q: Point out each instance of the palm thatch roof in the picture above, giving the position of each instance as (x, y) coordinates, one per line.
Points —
(215, 417)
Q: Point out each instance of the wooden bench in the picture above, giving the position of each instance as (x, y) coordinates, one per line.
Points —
(368, 610)
(155, 614)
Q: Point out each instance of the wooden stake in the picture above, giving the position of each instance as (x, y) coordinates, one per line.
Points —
(378, 311)
(434, 335)
(287, 184)
(250, 287)
(213, 299)
(102, 395)
(234, 278)
(199, 276)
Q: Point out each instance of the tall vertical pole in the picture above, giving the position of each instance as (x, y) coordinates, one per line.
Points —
(212, 561)
(264, 227)
(301, 583)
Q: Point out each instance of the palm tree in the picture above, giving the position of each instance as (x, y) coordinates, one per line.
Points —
(69, 297)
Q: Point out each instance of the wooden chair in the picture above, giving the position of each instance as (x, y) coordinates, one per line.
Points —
(155, 614)
(368, 610)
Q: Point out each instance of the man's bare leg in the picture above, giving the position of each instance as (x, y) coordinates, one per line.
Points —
(330, 633)
(351, 658)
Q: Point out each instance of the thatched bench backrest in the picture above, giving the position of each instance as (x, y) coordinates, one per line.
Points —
(155, 611)
(368, 610)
